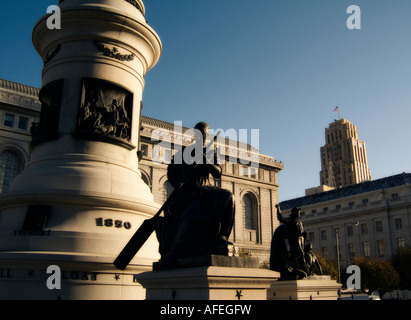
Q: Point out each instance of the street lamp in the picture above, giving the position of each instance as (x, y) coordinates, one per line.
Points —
(338, 254)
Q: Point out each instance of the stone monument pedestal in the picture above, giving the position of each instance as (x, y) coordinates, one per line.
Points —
(210, 278)
(311, 288)
(81, 197)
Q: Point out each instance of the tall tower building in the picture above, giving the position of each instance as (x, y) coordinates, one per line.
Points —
(344, 157)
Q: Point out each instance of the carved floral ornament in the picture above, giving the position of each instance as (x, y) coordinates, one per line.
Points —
(113, 53)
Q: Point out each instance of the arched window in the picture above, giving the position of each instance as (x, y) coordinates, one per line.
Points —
(250, 212)
(10, 167)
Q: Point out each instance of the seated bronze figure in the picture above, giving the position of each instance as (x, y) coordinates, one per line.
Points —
(198, 218)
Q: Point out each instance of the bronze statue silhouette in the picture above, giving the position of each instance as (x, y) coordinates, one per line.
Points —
(287, 247)
(311, 260)
(198, 218)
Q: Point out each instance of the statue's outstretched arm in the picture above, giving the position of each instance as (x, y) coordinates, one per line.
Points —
(279, 216)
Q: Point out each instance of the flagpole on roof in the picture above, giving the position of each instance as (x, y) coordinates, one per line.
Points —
(338, 110)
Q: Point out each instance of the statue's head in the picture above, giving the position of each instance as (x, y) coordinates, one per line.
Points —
(295, 213)
(203, 129)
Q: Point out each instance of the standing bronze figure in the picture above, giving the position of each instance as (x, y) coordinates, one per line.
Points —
(287, 247)
(311, 259)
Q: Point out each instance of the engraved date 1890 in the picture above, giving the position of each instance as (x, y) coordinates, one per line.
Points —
(100, 222)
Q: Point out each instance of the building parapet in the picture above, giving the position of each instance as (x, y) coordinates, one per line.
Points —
(307, 215)
(19, 94)
(346, 192)
(18, 87)
(150, 129)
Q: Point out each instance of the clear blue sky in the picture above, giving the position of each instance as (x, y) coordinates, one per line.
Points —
(280, 66)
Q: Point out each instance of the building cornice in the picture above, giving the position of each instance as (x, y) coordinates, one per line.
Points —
(21, 95)
(239, 149)
(349, 191)
(19, 88)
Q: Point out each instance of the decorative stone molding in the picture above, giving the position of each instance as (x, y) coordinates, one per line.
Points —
(17, 94)
(51, 54)
(136, 4)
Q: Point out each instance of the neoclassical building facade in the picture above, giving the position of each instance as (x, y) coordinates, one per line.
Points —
(370, 219)
(249, 175)
(19, 108)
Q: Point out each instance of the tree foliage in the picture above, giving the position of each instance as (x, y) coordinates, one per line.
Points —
(377, 275)
(328, 266)
(401, 261)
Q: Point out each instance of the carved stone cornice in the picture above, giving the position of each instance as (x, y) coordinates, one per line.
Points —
(164, 131)
(17, 94)
(18, 87)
